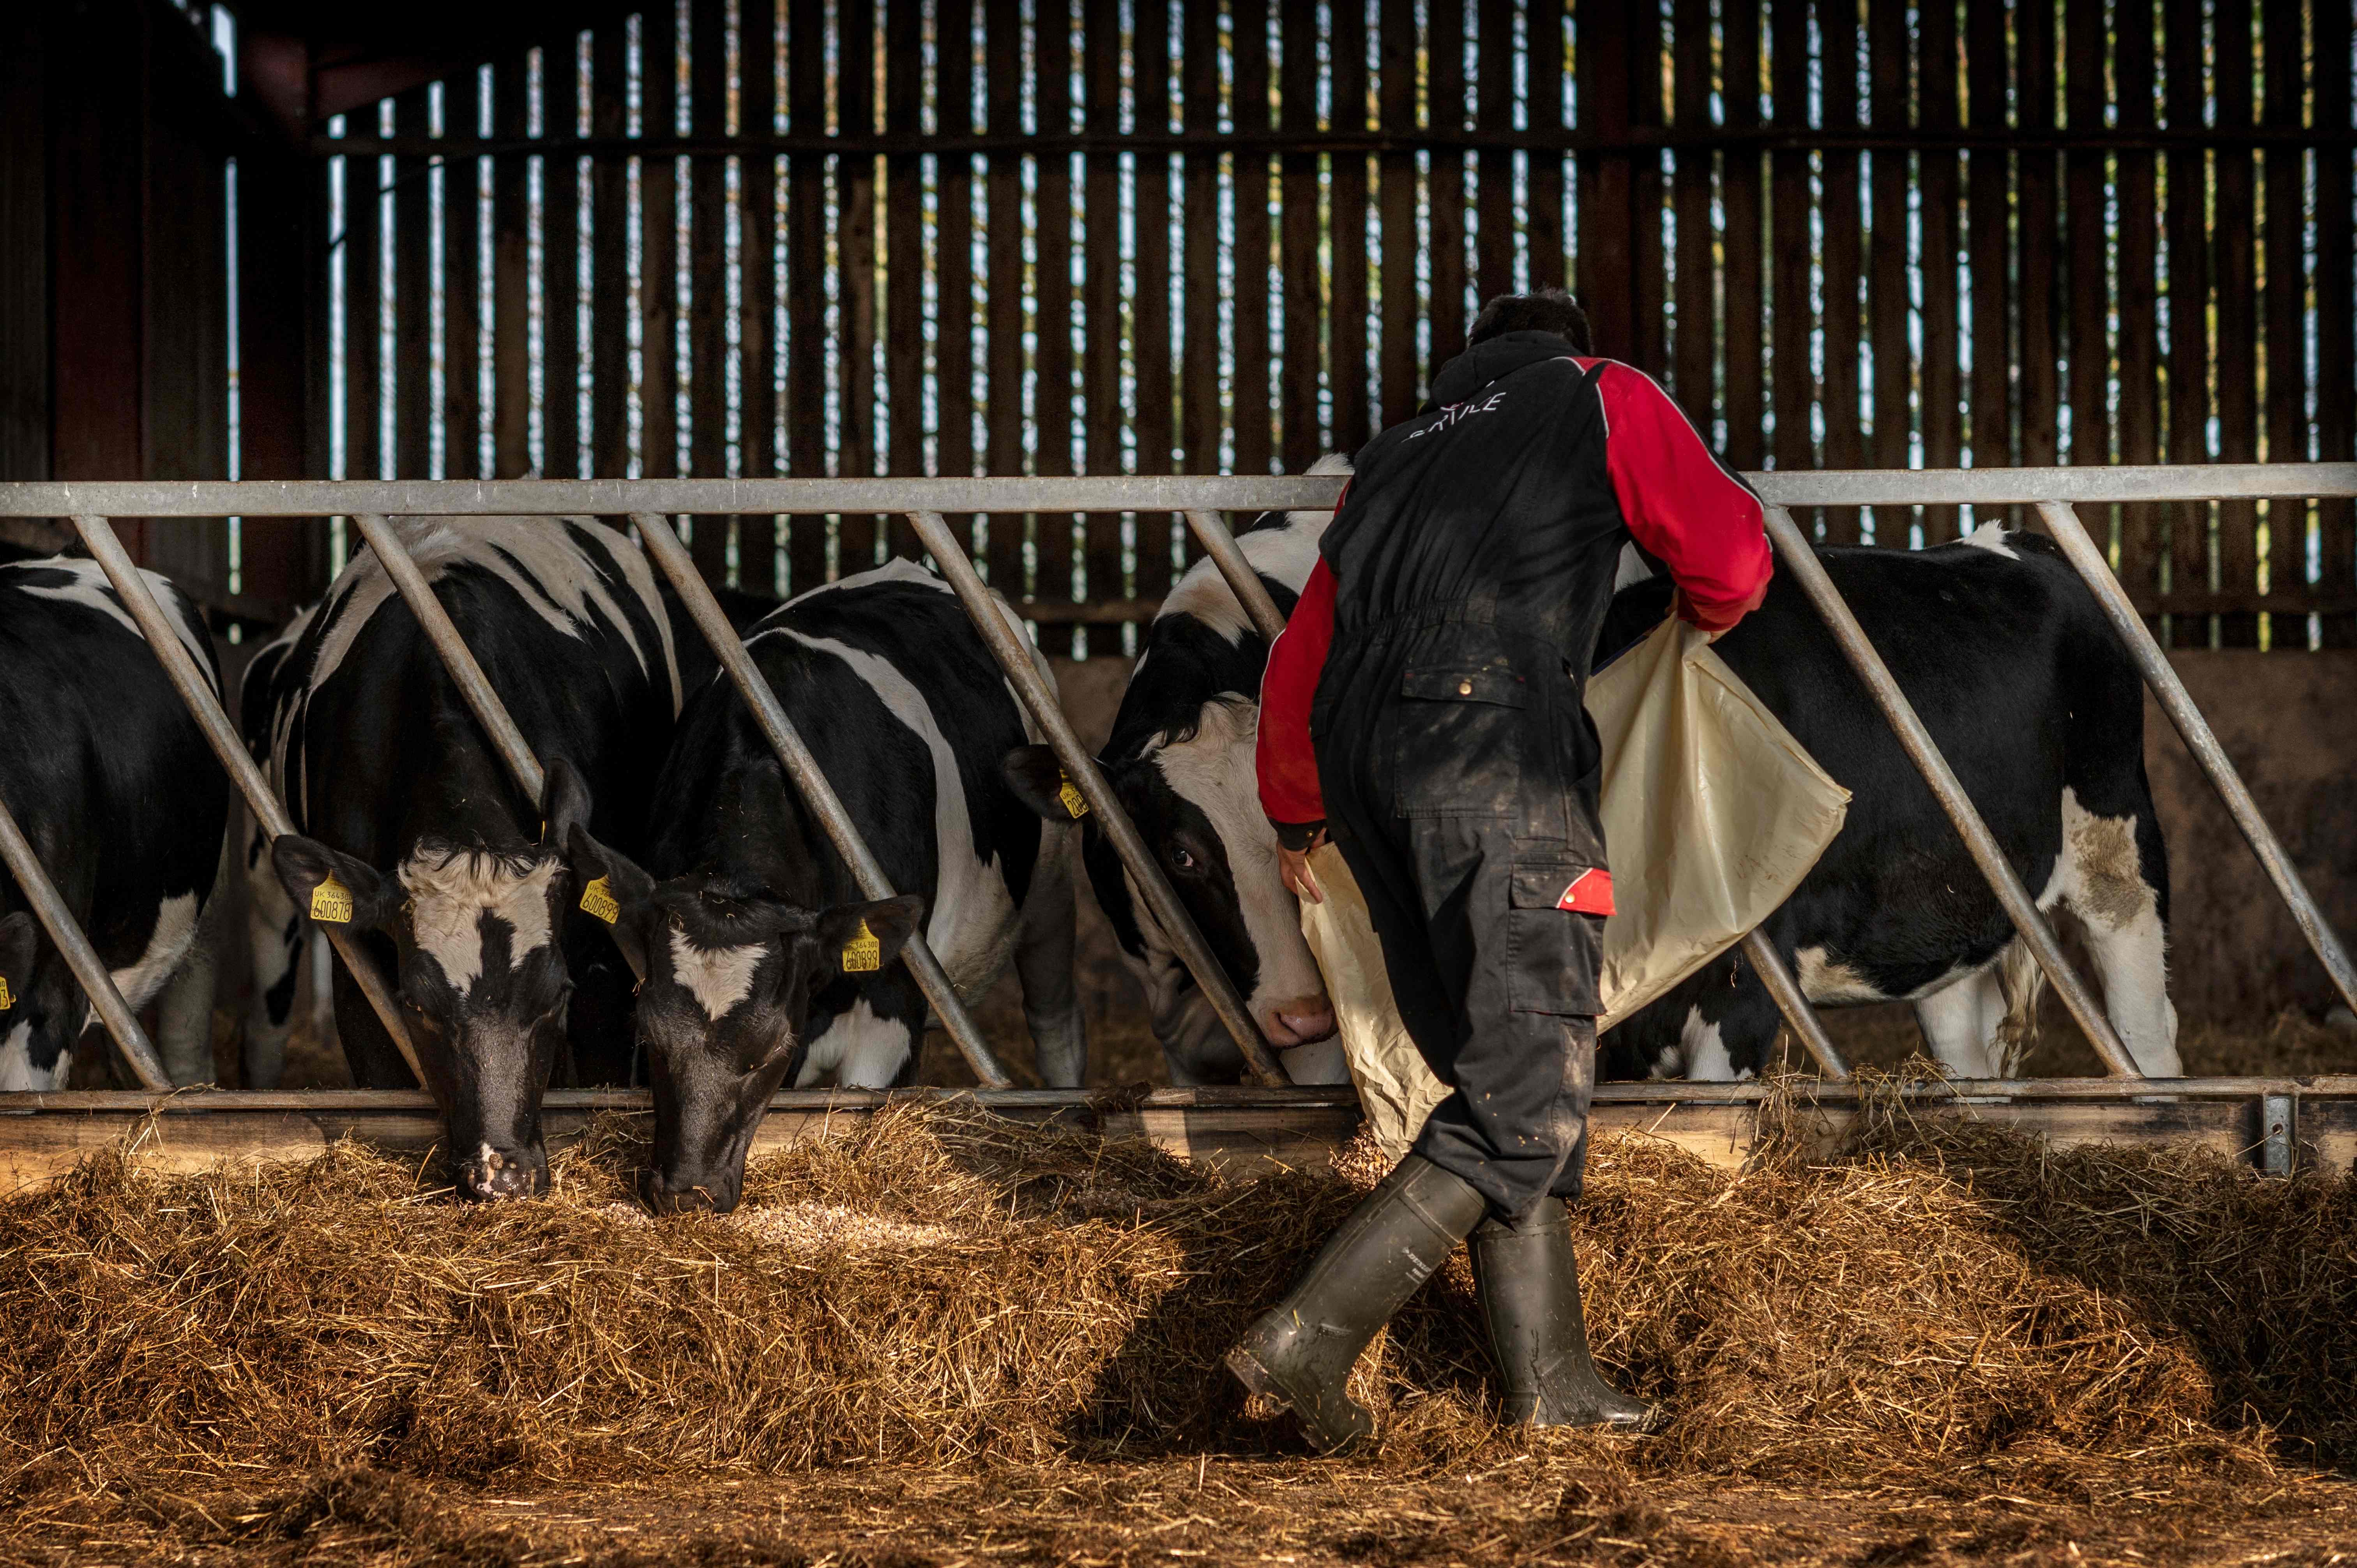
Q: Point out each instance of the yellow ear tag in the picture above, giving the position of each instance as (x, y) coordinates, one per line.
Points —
(6, 999)
(598, 898)
(332, 901)
(1076, 805)
(864, 953)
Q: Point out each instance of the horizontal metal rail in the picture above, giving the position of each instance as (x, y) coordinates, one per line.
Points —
(2053, 489)
(197, 695)
(1097, 492)
(2273, 1126)
(89, 970)
(670, 558)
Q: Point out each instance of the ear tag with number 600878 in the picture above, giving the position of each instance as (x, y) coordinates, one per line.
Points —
(864, 953)
(1076, 805)
(598, 898)
(331, 901)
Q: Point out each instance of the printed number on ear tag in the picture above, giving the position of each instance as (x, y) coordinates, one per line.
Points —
(331, 901)
(864, 953)
(7, 999)
(598, 898)
(1076, 805)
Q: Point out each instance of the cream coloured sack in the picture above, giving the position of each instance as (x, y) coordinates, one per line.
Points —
(1712, 816)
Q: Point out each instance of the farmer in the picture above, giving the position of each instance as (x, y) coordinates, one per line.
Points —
(1423, 709)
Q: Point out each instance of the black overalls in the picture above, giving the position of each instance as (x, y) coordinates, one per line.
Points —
(1475, 556)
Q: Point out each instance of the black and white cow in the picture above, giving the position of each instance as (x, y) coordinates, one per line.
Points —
(2010, 664)
(111, 782)
(1181, 758)
(459, 881)
(765, 964)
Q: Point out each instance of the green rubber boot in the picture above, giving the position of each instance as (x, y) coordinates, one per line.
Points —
(1301, 1351)
(1529, 1286)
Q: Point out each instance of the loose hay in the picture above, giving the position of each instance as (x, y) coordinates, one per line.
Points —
(937, 1286)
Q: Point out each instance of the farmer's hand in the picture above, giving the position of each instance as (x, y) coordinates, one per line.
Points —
(1293, 866)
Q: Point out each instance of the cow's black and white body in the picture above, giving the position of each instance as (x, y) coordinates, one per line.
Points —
(2030, 697)
(111, 782)
(458, 879)
(2010, 664)
(908, 714)
(1181, 758)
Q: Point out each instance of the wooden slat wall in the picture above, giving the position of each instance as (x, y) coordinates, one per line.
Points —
(1970, 233)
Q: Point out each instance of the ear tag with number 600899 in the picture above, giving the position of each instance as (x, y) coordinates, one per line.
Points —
(864, 953)
(598, 898)
(1076, 805)
(331, 902)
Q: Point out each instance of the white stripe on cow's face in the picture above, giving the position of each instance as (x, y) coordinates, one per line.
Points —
(451, 891)
(718, 978)
(1214, 771)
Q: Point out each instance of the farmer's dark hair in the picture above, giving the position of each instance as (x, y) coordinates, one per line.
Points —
(1547, 310)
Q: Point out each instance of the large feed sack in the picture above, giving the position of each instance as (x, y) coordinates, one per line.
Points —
(1712, 816)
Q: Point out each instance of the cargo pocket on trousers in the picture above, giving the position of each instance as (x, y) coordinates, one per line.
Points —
(1459, 748)
(1555, 926)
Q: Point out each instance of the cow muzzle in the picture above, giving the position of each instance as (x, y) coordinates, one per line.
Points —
(494, 1173)
(1300, 1022)
(687, 1193)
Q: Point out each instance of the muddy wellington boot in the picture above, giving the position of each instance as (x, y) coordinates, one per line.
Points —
(1529, 1286)
(1302, 1349)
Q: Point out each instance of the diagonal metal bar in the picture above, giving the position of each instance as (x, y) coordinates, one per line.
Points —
(457, 658)
(1800, 558)
(671, 559)
(1793, 1003)
(1211, 532)
(96, 981)
(1014, 657)
(1211, 529)
(197, 694)
(2201, 741)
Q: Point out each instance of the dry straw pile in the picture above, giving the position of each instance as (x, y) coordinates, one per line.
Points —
(940, 1286)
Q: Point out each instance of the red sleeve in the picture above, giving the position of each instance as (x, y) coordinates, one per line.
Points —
(1703, 522)
(1286, 761)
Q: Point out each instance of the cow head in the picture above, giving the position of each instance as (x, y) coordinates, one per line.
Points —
(482, 977)
(1191, 791)
(730, 971)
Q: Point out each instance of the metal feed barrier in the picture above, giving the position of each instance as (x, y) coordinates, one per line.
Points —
(1203, 500)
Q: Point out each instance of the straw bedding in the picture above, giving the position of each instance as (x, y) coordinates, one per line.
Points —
(1949, 1307)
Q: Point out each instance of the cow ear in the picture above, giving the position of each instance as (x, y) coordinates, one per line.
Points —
(1039, 782)
(20, 940)
(615, 889)
(860, 939)
(333, 888)
(565, 802)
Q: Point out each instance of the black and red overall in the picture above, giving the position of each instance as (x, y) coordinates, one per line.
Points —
(1424, 703)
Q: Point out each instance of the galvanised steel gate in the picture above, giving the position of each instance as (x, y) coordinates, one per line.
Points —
(652, 503)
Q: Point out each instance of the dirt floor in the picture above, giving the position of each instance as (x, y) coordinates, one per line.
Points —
(1565, 1502)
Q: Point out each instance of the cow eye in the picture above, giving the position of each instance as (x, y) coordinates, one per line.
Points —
(1182, 860)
